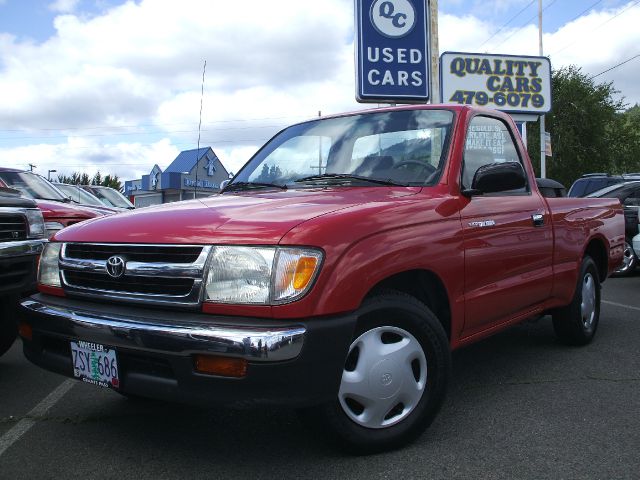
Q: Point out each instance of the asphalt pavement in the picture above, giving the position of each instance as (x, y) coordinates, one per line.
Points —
(520, 406)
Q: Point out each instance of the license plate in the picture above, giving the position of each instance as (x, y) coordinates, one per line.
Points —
(95, 363)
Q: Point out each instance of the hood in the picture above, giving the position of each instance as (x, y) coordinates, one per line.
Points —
(246, 218)
(52, 210)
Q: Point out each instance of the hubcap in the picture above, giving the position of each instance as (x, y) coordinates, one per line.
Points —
(628, 259)
(384, 378)
(588, 305)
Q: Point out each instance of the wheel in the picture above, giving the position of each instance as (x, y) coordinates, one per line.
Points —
(8, 326)
(629, 260)
(394, 379)
(576, 324)
(419, 166)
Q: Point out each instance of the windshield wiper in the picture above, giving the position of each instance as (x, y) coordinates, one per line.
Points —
(252, 185)
(347, 176)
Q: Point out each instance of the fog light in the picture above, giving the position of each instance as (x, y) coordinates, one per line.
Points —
(221, 366)
(25, 331)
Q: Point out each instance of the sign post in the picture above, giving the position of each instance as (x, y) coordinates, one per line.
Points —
(392, 54)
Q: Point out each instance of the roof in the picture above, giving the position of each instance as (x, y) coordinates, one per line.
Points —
(187, 159)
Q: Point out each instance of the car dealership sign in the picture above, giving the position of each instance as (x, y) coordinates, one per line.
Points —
(392, 57)
(514, 84)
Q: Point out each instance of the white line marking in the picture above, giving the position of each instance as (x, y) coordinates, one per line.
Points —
(23, 426)
(621, 305)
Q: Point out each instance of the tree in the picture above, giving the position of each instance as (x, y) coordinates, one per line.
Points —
(77, 178)
(587, 131)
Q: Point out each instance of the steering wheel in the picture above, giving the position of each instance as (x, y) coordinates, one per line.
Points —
(427, 167)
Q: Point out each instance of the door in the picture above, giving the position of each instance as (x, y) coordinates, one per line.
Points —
(508, 238)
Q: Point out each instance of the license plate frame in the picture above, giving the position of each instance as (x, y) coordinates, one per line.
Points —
(95, 363)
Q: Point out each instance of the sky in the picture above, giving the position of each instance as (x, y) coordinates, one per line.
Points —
(115, 86)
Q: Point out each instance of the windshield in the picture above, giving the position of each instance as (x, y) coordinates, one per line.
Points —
(405, 147)
(32, 186)
(111, 197)
(78, 195)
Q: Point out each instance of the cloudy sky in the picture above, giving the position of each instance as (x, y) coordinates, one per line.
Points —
(107, 85)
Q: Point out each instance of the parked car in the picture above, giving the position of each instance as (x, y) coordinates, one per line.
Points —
(551, 188)
(82, 197)
(339, 286)
(21, 236)
(57, 209)
(629, 195)
(592, 182)
(109, 196)
(635, 243)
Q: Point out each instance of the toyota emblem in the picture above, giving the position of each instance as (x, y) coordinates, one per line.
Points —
(116, 266)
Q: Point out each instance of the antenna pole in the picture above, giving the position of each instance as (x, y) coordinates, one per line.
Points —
(204, 69)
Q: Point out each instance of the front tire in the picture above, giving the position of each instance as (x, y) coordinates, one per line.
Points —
(629, 260)
(8, 324)
(395, 376)
(576, 324)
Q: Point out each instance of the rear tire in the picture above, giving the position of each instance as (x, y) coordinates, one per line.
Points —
(576, 324)
(394, 380)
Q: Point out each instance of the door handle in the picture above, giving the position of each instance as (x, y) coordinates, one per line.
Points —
(538, 220)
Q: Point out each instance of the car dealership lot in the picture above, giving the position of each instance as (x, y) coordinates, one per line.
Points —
(520, 405)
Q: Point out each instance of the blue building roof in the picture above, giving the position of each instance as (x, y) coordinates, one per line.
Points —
(186, 160)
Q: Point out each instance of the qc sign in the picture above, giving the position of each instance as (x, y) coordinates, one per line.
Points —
(392, 56)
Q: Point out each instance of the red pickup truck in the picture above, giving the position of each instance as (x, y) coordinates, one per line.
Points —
(335, 273)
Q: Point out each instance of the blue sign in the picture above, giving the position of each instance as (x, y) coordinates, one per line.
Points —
(392, 56)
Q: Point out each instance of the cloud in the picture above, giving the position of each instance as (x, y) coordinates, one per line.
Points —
(88, 155)
(269, 64)
(64, 6)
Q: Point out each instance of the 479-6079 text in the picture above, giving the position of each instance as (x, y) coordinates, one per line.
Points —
(500, 99)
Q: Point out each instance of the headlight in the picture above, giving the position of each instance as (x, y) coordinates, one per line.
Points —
(261, 275)
(36, 223)
(52, 227)
(48, 271)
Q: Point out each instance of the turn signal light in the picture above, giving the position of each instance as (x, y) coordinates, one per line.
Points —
(304, 272)
(221, 366)
(25, 331)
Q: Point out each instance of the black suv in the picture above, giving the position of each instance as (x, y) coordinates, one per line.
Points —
(21, 237)
(628, 192)
(592, 182)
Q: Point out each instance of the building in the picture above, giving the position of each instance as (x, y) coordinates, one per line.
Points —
(193, 173)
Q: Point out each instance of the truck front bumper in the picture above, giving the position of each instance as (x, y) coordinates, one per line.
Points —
(18, 266)
(296, 363)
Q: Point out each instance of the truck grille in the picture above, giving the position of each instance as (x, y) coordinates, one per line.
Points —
(12, 227)
(149, 274)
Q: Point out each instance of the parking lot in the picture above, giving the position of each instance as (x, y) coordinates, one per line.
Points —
(520, 405)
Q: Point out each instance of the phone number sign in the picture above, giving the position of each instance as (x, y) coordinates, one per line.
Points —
(514, 84)
(392, 56)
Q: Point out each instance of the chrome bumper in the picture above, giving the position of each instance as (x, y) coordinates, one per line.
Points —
(254, 343)
(22, 247)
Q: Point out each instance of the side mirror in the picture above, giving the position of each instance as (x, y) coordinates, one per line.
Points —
(498, 177)
(224, 183)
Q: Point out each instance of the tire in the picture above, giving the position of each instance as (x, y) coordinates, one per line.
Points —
(394, 380)
(629, 260)
(576, 324)
(8, 325)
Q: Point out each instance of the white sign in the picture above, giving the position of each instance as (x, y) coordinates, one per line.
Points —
(393, 18)
(514, 84)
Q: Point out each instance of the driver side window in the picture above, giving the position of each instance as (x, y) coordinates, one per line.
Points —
(488, 141)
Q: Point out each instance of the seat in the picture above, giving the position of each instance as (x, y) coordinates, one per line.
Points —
(474, 158)
(373, 164)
